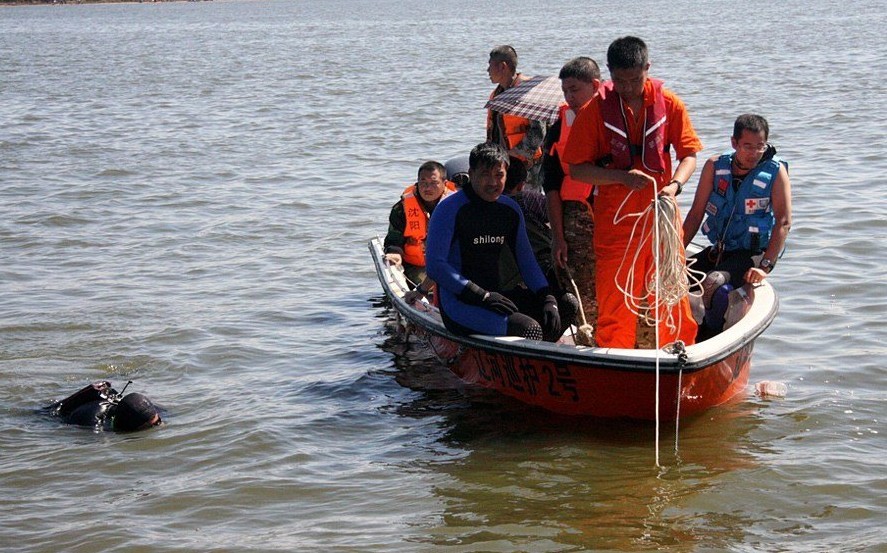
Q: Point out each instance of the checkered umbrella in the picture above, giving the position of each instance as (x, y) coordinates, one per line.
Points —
(537, 98)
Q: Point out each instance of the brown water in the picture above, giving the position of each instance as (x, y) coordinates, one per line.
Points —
(185, 195)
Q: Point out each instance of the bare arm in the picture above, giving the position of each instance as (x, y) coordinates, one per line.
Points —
(781, 202)
(600, 176)
(556, 218)
(697, 211)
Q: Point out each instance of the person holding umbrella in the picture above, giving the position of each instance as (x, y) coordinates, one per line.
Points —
(521, 137)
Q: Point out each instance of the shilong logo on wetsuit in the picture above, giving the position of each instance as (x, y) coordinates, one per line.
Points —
(487, 239)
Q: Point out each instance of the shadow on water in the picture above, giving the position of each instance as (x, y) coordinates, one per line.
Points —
(519, 478)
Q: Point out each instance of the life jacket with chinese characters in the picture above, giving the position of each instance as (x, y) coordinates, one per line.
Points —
(416, 230)
(653, 152)
(514, 128)
(571, 190)
(741, 219)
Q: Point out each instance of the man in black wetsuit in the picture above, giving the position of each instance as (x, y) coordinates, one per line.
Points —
(469, 233)
(100, 406)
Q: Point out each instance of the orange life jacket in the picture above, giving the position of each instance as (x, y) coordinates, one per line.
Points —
(571, 189)
(515, 129)
(653, 153)
(416, 230)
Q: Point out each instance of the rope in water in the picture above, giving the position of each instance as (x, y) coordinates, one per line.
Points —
(665, 284)
(657, 262)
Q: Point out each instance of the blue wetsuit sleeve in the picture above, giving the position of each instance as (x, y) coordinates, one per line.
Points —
(526, 259)
(441, 250)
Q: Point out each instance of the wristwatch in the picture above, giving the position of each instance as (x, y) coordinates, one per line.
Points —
(766, 265)
(680, 186)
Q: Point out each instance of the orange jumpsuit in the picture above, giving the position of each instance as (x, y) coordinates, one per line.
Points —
(588, 143)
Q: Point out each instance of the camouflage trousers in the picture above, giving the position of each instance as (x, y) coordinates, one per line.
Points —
(578, 234)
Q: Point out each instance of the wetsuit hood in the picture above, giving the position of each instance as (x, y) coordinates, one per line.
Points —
(135, 412)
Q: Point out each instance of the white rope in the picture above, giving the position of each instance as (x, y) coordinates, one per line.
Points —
(657, 227)
(667, 281)
(656, 265)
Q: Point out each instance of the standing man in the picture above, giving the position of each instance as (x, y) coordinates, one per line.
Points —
(521, 137)
(748, 198)
(569, 201)
(621, 143)
(408, 224)
(467, 236)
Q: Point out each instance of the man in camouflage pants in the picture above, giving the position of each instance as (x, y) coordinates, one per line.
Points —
(569, 202)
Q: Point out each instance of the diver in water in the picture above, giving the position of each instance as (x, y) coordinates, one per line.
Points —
(100, 406)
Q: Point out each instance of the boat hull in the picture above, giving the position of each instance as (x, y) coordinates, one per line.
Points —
(574, 389)
(600, 382)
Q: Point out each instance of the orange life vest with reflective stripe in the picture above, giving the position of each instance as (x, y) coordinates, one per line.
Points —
(416, 230)
(571, 190)
(653, 152)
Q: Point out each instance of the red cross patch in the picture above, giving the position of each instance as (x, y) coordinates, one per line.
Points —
(756, 204)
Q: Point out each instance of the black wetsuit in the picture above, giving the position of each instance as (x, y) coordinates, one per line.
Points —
(467, 237)
(92, 406)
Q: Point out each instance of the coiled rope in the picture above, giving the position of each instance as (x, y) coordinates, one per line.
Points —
(666, 281)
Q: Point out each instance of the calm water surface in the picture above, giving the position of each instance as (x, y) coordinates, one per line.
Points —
(186, 191)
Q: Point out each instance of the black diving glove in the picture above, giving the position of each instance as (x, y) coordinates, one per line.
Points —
(551, 317)
(494, 301)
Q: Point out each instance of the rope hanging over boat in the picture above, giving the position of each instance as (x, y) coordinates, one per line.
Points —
(656, 228)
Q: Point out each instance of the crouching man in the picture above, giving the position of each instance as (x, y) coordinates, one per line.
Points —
(468, 234)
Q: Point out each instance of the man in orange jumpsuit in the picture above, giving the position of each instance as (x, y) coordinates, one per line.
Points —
(621, 143)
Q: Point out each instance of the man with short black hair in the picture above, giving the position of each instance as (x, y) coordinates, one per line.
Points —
(408, 223)
(468, 234)
(746, 195)
(621, 143)
(521, 137)
(569, 200)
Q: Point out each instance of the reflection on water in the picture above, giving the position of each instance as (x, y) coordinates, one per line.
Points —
(526, 479)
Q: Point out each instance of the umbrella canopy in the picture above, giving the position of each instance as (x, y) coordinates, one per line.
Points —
(537, 98)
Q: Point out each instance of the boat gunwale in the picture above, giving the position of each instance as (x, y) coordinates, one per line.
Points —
(697, 357)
